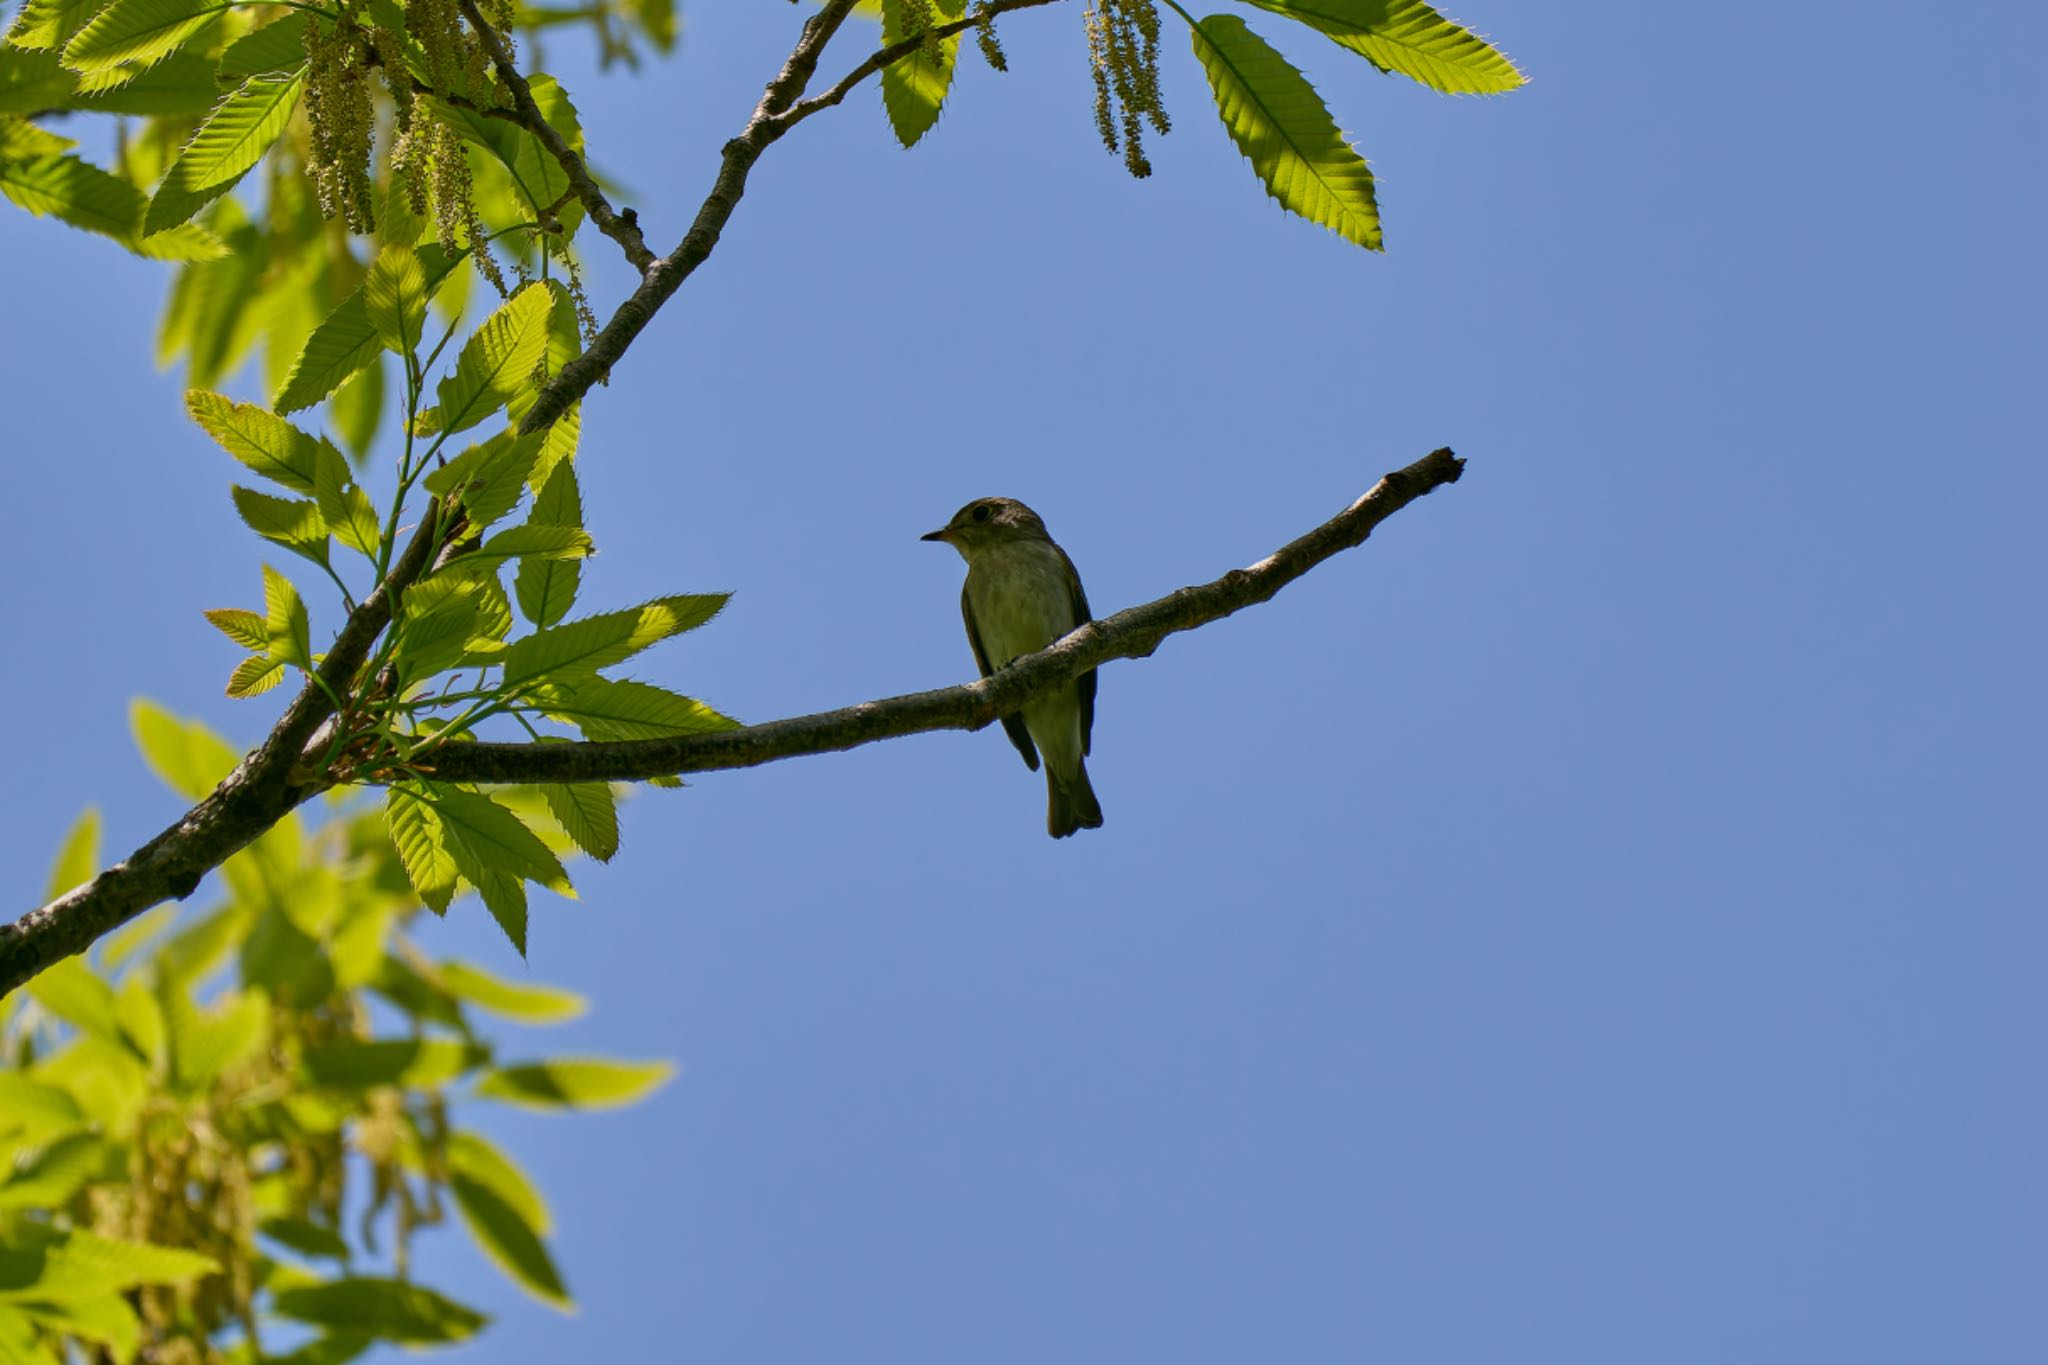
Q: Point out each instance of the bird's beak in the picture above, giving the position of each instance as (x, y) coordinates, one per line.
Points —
(943, 533)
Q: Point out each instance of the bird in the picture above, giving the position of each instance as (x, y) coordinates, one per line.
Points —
(1021, 594)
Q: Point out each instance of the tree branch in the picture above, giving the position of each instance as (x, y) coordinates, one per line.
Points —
(621, 229)
(1132, 633)
(896, 52)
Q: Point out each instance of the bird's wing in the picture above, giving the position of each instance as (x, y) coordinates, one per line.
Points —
(1013, 724)
(1087, 680)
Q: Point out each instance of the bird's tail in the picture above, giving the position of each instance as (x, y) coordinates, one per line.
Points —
(1070, 802)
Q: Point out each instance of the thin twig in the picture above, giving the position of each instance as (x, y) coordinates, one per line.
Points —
(620, 228)
(896, 52)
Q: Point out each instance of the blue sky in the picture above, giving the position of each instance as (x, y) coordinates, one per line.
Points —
(1600, 920)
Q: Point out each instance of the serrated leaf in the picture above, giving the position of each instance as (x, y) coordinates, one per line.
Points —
(344, 506)
(588, 813)
(180, 84)
(105, 1320)
(442, 615)
(255, 675)
(521, 1003)
(575, 1083)
(245, 628)
(137, 32)
(284, 617)
(521, 542)
(277, 45)
(485, 835)
(512, 1243)
(395, 291)
(294, 523)
(48, 24)
(342, 344)
(266, 443)
(422, 841)
(83, 195)
(914, 88)
(78, 857)
(617, 708)
(497, 361)
(489, 477)
(1409, 37)
(20, 140)
(390, 1310)
(1280, 124)
(583, 647)
(78, 1266)
(189, 758)
(241, 129)
(547, 588)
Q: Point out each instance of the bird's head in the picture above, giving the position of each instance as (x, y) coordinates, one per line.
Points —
(986, 522)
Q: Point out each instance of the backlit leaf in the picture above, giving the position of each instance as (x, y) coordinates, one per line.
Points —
(914, 87)
(1281, 125)
(137, 31)
(497, 360)
(78, 859)
(581, 647)
(575, 1083)
(1410, 37)
(232, 140)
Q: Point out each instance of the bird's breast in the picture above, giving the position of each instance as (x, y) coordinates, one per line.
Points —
(1021, 598)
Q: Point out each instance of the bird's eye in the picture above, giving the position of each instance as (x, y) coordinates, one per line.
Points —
(981, 512)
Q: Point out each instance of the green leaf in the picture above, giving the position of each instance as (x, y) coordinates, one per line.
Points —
(37, 1108)
(255, 675)
(268, 444)
(475, 1159)
(357, 408)
(142, 1021)
(50, 1177)
(1409, 37)
(416, 1063)
(582, 647)
(588, 813)
(87, 197)
(74, 993)
(390, 1310)
(496, 853)
(234, 1030)
(513, 1244)
(1280, 124)
(278, 44)
(306, 1237)
(498, 360)
(522, 542)
(547, 587)
(396, 295)
(245, 628)
(521, 1003)
(105, 1320)
(607, 708)
(345, 507)
(79, 1265)
(489, 477)
(914, 88)
(20, 140)
(49, 24)
(294, 523)
(339, 346)
(241, 129)
(285, 619)
(141, 32)
(189, 758)
(574, 1083)
(78, 859)
(180, 84)
(442, 617)
(422, 842)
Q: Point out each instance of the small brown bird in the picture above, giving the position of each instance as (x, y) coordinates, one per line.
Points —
(1021, 595)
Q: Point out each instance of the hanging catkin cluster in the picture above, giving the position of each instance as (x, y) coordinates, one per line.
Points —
(985, 38)
(1123, 46)
(428, 156)
(339, 113)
